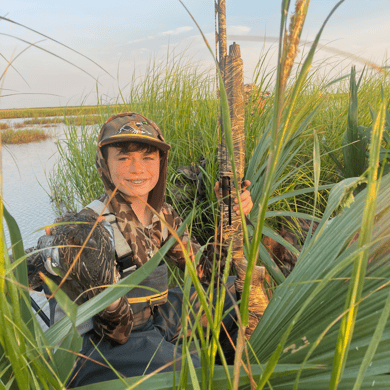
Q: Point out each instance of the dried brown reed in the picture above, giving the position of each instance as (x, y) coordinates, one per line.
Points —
(292, 39)
(18, 125)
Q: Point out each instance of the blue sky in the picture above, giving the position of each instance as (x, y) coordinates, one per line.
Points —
(123, 35)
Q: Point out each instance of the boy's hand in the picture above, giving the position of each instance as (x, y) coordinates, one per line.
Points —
(246, 199)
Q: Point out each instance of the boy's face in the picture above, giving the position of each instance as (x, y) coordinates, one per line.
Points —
(134, 173)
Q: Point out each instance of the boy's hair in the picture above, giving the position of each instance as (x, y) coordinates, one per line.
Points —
(129, 146)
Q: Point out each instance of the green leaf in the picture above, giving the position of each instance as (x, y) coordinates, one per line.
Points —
(376, 339)
(17, 246)
(270, 265)
(333, 157)
(354, 143)
(21, 269)
(165, 381)
(66, 354)
(291, 194)
(360, 263)
(270, 233)
(66, 304)
(194, 379)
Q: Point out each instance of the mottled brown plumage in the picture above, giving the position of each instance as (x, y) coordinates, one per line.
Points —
(94, 266)
(85, 249)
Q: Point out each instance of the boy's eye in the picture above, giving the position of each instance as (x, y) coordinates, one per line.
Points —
(149, 157)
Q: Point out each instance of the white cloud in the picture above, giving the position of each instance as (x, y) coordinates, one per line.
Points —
(140, 51)
(141, 40)
(176, 31)
(239, 30)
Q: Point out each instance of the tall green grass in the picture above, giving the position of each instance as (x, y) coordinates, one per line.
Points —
(338, 286)
(191, 128)
(180, 99)
(179, 95)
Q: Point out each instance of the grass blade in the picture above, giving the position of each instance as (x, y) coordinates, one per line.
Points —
(360, 264)
(376, 339)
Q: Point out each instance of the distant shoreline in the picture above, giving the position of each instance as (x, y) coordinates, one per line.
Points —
(59, 111)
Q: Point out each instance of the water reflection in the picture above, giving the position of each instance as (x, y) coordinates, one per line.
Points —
(25, 187)
(25, 191)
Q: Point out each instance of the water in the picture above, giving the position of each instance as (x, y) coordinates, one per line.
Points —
(25, 192)
(25, 186)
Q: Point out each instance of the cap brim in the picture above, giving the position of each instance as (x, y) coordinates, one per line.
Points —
(140, 138)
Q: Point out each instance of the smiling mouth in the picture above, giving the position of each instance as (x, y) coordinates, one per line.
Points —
(136, 181)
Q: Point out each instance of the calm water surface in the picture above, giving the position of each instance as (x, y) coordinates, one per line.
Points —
(25, 186)
(24, 189)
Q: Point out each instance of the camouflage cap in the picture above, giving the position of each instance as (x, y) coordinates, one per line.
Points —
(130, 126)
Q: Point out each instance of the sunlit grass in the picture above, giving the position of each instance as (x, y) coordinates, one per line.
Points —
(191, 129)
(70, 120)
(11, 136)
(51, 111)
(305, 312)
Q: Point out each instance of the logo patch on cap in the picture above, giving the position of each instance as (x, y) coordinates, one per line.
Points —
(134, 128)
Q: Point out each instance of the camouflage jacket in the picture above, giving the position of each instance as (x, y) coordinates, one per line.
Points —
(117, 324)
(159, 236)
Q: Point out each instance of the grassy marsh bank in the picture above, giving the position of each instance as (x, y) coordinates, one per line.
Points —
(304, 313)
(23, 136)
(69, 120)
(54, 111)
(30, 130)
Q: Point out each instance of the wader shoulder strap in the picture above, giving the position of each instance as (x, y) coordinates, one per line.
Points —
(122, 248)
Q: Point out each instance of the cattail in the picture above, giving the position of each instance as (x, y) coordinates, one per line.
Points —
(295, 29)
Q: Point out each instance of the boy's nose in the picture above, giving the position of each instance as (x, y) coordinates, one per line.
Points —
(136, 165)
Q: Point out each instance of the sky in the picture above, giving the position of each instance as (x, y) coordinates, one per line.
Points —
(123, 36)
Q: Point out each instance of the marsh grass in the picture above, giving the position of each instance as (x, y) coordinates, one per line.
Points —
(41, 121)
(24, 136)
(18, 125)
(179, 95)
(53, 111)
(69, 120)
(294, 343)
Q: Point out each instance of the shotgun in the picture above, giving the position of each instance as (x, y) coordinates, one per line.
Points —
(231, 67)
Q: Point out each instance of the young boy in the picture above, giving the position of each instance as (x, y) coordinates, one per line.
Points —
(131, 159)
